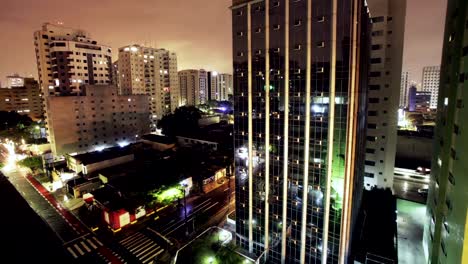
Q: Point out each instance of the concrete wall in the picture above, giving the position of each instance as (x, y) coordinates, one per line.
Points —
(108, 163)
(419, 148)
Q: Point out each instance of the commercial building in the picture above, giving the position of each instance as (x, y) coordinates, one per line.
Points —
(153, 72)
(299, 132)
(115, 74)
(422, 102)
(404, 85)
(445, 236)
(430, 83)
(96, 119)
(219, 86)
(22, 96)
(193, 87)
(68, 58)
(388, 28)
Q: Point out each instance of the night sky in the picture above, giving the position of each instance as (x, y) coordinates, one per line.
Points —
(198, 30)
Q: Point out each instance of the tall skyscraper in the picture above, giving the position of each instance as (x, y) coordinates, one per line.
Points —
(219, 86)
(22, 96)
(445, 236)
(430, 83)
(150, 71)
(193, 87)
(388, 30)
(404, 86)
(300, 81)
(68, 58)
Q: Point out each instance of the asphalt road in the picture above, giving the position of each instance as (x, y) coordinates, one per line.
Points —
(408, 190)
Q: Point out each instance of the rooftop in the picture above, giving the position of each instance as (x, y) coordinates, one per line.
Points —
(105, 154)
(158, 139)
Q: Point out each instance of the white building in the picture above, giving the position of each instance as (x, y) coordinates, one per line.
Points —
(388, 26)
(193, 87)
(430, 83)
(404, 85)
(150, 71)
(219, 86)
(68, 58)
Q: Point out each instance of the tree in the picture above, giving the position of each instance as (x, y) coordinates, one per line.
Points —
(184, 121)
(9, 120)
(31, 162)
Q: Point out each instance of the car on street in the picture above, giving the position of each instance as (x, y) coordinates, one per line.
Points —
(423, 191)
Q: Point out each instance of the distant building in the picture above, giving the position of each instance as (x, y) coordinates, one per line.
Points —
(115, 74)
(412, 98)
(68, 58)
(388, 30)
(422, 102)
(445, 238)
(25, 99)
(430, 83)
(193, 87)
(15, 81)
(153, 72)
(97, 119)
(404, 85)
(219, 86)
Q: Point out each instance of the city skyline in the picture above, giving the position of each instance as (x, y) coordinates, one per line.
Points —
(157, 26)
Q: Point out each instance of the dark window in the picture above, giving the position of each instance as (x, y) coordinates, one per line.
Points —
(374, 87)
(378, 19)
(372, 113)
(369, 175)
(371, 126)
(375, 74)
(369, 150)
(453, 154)
(456, 129)
(373, 100)
(369, 163)
(377, 33)
(372, 139)
(376, 60)
(376, 47)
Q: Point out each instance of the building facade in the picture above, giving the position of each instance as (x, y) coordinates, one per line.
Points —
(299, 109)
(404, 85)
(430, 83)
(97, 119)
(23, 97)
(68, 58)
(445, 236)
(422, 101)
(150, 71)
(388, 30)
(193, 87)
(219, 86)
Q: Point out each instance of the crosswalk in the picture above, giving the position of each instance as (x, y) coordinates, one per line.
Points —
(83, 246)
(142, 247)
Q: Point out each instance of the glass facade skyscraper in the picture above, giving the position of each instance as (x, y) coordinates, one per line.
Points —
(300, 81)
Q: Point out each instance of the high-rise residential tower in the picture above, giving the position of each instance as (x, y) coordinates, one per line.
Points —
(445, 236)
(430, 83)
(300, 81)
(388, 28)
(404, 86)
(150, 71)
(68, 58)
(193, 87)
(219, 86)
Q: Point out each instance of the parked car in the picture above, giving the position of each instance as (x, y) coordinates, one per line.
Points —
(423, 170)
(423, 191)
